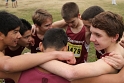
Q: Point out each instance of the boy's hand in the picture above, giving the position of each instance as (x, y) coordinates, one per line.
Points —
(122, 43)
(32, 41)
(33, 30)
(68, 56)
(115, 60)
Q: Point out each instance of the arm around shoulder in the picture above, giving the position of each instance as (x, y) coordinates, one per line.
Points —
(59, 24)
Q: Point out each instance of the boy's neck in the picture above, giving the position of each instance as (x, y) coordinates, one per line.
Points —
(14, 48)
(79, 27)
(2, 46)
(113, 48)
(49, 50)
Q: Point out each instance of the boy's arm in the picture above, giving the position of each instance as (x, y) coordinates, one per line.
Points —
(26, 61)
(59, 24)
(107, 78)
(82, 70)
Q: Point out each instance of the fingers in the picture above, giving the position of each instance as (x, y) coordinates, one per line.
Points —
(72, 61)
(33, 30)
(113, 62)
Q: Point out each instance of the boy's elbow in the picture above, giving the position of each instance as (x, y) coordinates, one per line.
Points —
(71, 75)
(7, 67)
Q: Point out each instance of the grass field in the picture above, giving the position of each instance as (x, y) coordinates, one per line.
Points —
(26, 8)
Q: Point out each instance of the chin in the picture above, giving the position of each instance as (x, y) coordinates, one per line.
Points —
(98, 49)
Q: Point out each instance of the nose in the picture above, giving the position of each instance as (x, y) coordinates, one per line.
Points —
(92, 38)
(70, 24)
(50, 26)
(19, 35)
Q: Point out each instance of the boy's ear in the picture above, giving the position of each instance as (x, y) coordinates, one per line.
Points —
(1, 36)
(79, 16)
(41, 47)
(65, 48)
(36, 25)
(114, 39)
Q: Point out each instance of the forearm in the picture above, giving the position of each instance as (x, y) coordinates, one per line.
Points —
(78, 71)
(26, 61)
(59, 68)
(59, 24)
(92, 69)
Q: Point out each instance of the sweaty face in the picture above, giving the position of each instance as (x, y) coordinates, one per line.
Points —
(12, 37)
(25, 40)
(73, 22)
(46, 25)
(100, 39)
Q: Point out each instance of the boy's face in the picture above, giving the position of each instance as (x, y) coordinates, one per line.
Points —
(73, 22)
(46, 25)
(12, 37)
(26, 39)
(100, 39)
(86, 23)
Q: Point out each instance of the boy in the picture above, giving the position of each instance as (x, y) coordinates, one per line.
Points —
(75, 30)
(87, 17)
(42, 22)
(25, 41)
(106, 26)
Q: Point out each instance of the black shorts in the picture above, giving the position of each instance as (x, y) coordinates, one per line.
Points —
(13, 0)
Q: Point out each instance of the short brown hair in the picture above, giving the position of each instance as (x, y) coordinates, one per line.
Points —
(69, 10)
(110, 22)
(40, 16)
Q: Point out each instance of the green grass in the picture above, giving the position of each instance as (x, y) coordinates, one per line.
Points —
(26, 8)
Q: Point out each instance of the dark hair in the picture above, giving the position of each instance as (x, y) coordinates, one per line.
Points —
(25, 26)
(8, 22)
(110, 22)
(40, 16)
(55, 38)
(69, 10)
(91, 12)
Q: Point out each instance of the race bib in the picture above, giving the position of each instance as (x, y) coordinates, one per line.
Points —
(76, 49)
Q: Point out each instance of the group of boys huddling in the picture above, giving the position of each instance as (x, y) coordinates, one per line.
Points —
(73, 33)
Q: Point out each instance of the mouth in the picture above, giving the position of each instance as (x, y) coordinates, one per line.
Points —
(96, 45)
(16, 41)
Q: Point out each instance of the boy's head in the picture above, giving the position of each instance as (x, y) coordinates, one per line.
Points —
(25, 26)
(69, 10)
(8, 22)
(9, 29)
(25, 31)
(55, 39)
(89, 14)
(70, 13)
(42, 19)
(109, 22)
